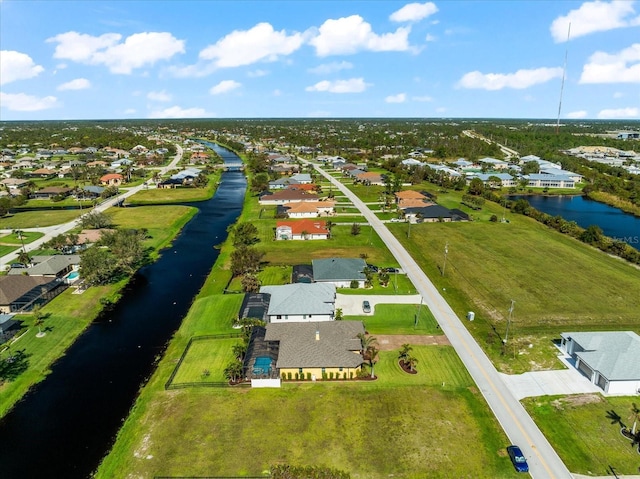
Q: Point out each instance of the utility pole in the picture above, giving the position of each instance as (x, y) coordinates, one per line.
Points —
(415, 324)
(506, 335)
(446, 252)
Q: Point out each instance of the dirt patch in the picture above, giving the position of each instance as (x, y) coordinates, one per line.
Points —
(389, 342)
(582, 399)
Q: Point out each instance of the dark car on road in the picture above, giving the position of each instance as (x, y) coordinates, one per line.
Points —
(366, 307)
(518, 459)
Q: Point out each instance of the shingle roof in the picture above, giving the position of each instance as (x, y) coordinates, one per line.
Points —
(338, 344)
(49, 266)
(301, 298)
(614, 354)
(339, 269)
(14, 287)
(309, 226)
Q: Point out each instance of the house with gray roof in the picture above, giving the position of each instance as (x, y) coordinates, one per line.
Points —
(318, 349)
(610, 359)
(301, 302)
(21, 293)
(55, 266)
(339, 271)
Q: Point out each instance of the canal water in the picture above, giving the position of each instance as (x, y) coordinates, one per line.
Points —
(585, 212)
(67, 423)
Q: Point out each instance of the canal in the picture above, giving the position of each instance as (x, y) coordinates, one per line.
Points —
(66, 424)
(585, 212)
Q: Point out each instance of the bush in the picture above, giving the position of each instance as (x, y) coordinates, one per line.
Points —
(354, 284)
(494, 218)
(324, 375)
(297, 376)
(309, 376)
(284, 377)
(351, 375)
(331, 375)
(289, 376)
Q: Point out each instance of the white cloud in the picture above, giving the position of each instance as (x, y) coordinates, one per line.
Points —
(327, 68)
(77, 84)
(399, 98)
(244, 47)
(178, 112)
(622, 67)
(413, 12)
(613, 113)
(224, 86)
(17, 66)
(518, 80)
(430, 38)
(277, 92)
(576, 115)
(349, 35)
(421, 98)
(257, 73)
(618, 94)
(162, 96)
(353, 85)
(23, 102)
(594, 17)
(137, 50)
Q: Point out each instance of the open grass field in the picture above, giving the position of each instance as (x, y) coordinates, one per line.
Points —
(35, 219)
(583, 436)
(68, 315)
(162, 221)
(176, 195)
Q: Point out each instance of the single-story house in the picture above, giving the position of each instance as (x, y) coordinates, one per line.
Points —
(54, 266)
(429, 214)
(14, 184)
(339, 271)
(112, 179)
(51, 192)
(610, 359)
(281, 183)
(409, 195)
(287, 196)
(411, 162)
(301, 302)
(370, 178)
(318, 349)
(309, 209)
(21, 293)
(305, 229)
(576, 177)
(42, 173)
(302, 178)
(91, 191)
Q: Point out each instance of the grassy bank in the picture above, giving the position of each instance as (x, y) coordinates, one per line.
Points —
(68, 315)
(615, 201)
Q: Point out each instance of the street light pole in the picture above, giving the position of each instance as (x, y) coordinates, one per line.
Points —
(446, 252)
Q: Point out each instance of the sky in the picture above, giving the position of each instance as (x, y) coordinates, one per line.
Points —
(121, 59)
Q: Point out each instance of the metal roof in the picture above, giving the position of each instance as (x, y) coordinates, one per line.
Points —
(339, 269)
(301, 298)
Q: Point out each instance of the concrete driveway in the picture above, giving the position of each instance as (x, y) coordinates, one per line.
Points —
(351, 305)
(549, 383)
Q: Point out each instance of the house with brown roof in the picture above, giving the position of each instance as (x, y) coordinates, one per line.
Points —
(14, 184)
(42, 173)
(306, 229)
(51, 192)
(112, 179)
(287, 196)
(370, 178)
(21, 293)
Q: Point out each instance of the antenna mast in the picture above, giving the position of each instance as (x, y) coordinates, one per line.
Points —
(564, 71)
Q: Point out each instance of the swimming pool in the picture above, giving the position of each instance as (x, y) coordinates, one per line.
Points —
(73, 275)
(262, 365)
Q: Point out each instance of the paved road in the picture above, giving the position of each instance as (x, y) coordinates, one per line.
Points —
(55, 230)
(544, 462)
(509, 153)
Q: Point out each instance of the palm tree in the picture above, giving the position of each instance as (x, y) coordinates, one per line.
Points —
(405, 352)
(615, 419)
(23, 257)
(233, 371)
(411, 361)
(239, 350)
(366, 342)
(372, 353)
(38, 319)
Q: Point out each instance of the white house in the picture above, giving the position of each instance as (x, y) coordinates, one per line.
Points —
(544, 180)
(610, 359)
(339, 271)
(301, 302)
(306, 229)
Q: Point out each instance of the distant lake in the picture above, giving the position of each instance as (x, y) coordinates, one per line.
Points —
(585, 212)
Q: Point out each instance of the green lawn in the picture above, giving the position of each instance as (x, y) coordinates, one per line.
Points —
(175, 195)
(399, 319)
(581, 433)
(26, 238)
(211, 355)
(35, 219)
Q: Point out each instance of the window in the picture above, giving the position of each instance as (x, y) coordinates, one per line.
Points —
(340, 369)
(279, 316)
(300, 370)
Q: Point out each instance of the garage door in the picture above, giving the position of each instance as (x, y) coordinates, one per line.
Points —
(586, 370)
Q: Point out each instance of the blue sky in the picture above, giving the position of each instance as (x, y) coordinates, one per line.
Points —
(256, 59)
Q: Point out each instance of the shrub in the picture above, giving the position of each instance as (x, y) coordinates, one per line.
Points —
(309, 376)
(324, 375)
(351, 375)
(297, 376)
(284, 377)
(494, 218)
(354, 284)
(289, 375)
(331, 375)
